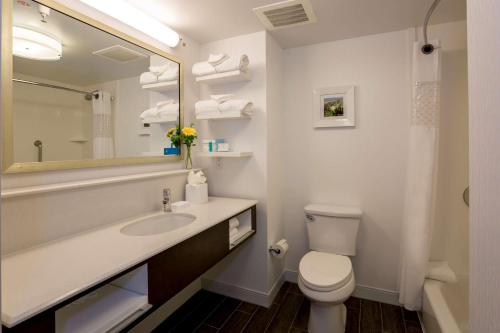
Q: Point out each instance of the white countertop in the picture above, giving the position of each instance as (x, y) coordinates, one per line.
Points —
(38, 278)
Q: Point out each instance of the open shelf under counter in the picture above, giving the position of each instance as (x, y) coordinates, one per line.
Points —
(225, 77)
(227, 154)
(162, 86)
(221, 116)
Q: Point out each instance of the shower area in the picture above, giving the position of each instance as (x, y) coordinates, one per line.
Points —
(435, 251)
(54, 121)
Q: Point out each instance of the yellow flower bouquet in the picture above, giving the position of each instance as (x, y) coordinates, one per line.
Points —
(187, 135)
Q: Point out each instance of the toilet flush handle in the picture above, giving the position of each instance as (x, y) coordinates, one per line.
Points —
(310, 218)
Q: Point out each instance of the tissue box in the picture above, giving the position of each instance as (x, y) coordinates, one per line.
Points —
(197, 194)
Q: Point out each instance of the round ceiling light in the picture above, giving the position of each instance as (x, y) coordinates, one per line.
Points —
(31, 44)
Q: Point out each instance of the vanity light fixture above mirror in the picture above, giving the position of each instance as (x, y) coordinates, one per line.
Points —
(137, 19)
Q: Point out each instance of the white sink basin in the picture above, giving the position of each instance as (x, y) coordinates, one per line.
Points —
(158, 224)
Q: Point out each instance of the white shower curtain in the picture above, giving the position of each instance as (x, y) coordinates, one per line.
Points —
(421, 176)
(102, 126)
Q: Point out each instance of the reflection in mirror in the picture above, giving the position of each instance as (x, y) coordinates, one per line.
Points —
(81, 93)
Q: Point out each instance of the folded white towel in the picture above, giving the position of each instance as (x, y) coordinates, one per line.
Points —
(234, 223)
(232, 105)
(149, 113)
(221, 98)
(232, 64)
(148, 78)
(234, 238)
(233, 232)
(441, 271)
(215, 59)
(170, 75)
(165, 102)
(205, 106)
(202, 68)
(168, 109)
(163, 68)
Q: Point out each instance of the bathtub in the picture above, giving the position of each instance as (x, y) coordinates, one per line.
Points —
(445, 307)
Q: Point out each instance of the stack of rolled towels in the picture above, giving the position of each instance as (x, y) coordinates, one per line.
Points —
(220, 63)
(163, 73)
(226, 105)
(168, 109)
(233, 229)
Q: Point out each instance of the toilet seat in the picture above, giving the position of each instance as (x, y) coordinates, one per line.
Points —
(321, 271)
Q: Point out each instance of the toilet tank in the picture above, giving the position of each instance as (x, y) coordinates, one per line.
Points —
(332, 229)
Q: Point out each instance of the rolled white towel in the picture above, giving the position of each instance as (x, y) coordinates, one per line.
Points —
(234, 223)
(233, 232)
(233, 63)
(169, 75)
(205, 106)
(221, 98)
(148, 78)
(240, 105)
(215, 59)
(202, 68)
(149, 113)
(233, 239)
(168, 109)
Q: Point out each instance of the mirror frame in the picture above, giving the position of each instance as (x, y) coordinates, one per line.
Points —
(8, 164)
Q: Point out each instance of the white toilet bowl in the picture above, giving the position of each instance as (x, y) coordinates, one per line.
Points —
(328, 281)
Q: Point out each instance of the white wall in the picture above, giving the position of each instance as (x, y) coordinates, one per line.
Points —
(364, 166)
(450, 239)
(245, 178)
(275, 223)
(483, 20)
(53, 116)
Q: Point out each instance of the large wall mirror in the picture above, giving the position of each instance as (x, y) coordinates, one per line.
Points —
(80, 94)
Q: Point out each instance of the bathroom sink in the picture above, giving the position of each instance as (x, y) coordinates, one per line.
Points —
(158, 224)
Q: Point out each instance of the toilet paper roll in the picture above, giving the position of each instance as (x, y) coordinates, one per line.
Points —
(279, 249)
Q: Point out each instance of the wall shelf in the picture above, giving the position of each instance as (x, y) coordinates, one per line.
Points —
(229, 115)
(228, 154)
(225, 77)
(167, 119)
(78, 139)
(162, 86)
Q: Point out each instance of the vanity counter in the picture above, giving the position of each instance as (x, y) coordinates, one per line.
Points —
(38, 278)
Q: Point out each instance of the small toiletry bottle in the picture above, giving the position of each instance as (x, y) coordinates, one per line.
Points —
(219, 142)
(206, 146)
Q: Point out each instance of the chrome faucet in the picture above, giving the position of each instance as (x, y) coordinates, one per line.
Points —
(167, 200)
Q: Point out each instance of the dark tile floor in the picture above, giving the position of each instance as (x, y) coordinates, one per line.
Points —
(207, 312)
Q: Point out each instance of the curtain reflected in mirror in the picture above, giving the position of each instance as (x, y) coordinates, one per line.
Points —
(80, 93)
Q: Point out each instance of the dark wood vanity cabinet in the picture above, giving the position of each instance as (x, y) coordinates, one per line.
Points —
(171, 271)
(168, 273)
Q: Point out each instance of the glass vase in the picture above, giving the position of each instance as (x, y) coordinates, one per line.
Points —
(189, 161)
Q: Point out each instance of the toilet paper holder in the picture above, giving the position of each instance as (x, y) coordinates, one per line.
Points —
(274, 250)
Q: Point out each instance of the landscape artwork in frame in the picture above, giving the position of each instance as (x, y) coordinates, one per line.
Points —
(334, 107)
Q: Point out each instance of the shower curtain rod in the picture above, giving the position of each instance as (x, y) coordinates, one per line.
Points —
(86, 93)
(428, 48)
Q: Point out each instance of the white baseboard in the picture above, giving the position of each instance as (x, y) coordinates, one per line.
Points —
(248, 295)
(365, 292)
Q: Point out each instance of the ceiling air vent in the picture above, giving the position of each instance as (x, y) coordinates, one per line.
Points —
(119, 54)
(286, 14)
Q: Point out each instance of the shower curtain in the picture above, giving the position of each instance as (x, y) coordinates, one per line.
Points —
(102, 126)
(421, 174)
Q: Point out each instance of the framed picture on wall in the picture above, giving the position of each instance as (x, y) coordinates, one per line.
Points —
(334, 107)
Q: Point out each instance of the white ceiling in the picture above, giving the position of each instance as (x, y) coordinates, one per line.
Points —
(78, 65)
(209, 20)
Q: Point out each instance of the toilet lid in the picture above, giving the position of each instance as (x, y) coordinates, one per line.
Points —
(325, 271)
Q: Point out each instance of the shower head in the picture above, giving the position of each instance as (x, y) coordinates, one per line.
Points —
(428, 48)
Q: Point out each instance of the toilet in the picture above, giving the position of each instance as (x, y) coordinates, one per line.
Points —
(325, 272)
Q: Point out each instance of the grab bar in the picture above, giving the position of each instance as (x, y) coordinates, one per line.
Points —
(39, 145)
